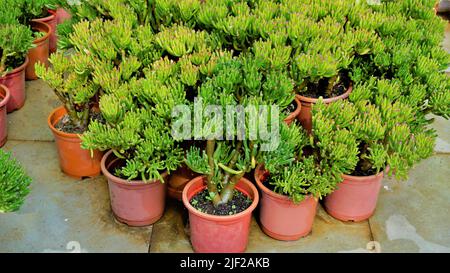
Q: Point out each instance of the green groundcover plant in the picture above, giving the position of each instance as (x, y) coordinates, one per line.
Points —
(14, 183)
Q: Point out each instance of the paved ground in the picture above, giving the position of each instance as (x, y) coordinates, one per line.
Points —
(64, 215)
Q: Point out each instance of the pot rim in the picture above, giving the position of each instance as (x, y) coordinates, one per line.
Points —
(271, 193)
(220, 218)
(47, 34)
(52, 125)
(328, 100)
(296, 112)
(52, 16)
(362, 178)
(18, 69)
(122, 181)
(6, 97)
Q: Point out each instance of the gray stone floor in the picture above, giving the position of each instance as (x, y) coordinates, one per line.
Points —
(62, 214)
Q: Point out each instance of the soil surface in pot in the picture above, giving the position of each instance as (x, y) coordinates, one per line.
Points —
(316, 90)
(12, 63)
(67, 126)
(237, 204)
(290, 109)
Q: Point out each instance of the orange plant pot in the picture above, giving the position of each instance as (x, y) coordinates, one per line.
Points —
(178, 181)
(40, 52)
(52, 22)
(4, 98)
(280, 217)
(74, 160)
(134, 203)
(289, 119)
(305, 116)
(213, 233)
(355, 199)
(15, 82)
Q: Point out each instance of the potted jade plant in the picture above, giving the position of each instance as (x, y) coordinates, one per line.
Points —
(296, 175)
(24, 14)
(221, 201)
(14, 183)
(388, 140)
(14, 45)
(142, 154)
(5, 96)
(78, 80)
(42, 11)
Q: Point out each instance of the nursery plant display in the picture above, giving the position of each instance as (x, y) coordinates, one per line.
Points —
(39, 53)
(299, 172)
(14, 45)
(14, 183)
(5, 96)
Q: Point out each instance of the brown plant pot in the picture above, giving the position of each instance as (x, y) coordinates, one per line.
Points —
(213, 233)
(62, 15)
(15, 82)
(4, 99)
(178, 181)
(355, 198)
(280, 217)
(52, 22)
(74, 160)
(289, 119)
(305, 116)
(134, 203)
(40, 51)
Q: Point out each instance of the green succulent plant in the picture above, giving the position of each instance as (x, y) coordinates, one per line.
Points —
(14, 45)
(14, 183)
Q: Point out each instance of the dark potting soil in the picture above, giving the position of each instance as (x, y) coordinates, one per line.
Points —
(359, 172)
(291, 108)
(319, 90)
(237, 204)
(67, 126)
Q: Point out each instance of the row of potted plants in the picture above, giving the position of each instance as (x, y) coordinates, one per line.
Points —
(133, 64)
(28, 31)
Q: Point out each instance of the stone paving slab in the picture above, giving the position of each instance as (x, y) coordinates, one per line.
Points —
(328, 235)
(61, 211)
(413, 215)
(442, 127)
(30, 122)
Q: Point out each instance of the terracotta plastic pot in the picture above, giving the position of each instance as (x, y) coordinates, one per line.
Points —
(52, 22)
(305, 116)
(74, 160)
(280, 217)
(355, 199)
(134, 203)
(178, 181)
(4, 98)
(62, 15)
(40, 52)
(213, 233)
(289, 119)
(15, 82)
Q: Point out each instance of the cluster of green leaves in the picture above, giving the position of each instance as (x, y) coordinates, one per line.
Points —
(14, 183)
(240, 81)
(388, 132)
(31, 9)
(304, 165)
(410, 35)
(14, 45)
(16, 39)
